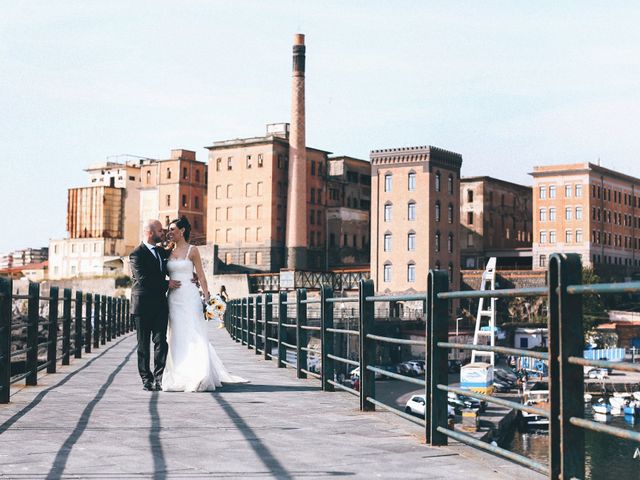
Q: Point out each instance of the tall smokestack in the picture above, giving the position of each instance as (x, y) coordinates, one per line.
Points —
(297, 194)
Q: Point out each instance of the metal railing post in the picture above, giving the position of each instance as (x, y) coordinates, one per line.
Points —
(437, 371)
(52, 330)
(116, 317)
(88, 330)
(33, 318)
(301, 334)
(282, 331)
(367, 346)
(268, 317)
(78, 330)
(103, 320)
(121, 330)
(130, 325)
(243, 321)
(66, 326)
(566, 383)
(6, 289)
(250, 324)
(97, 308)
(259, 327)
(238, 321)
(110, 329)
(326, 346)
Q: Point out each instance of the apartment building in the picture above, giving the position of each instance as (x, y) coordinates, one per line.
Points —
(415, 196)
(495, 221)
(590, 210)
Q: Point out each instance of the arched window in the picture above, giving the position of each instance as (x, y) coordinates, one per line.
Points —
(387, 212)
(387, 242)
(411, 272)
(437, 211)
(218, 191)
(450, 213)
(437, 242)
(197, 176)
(450, 243)
(411, 181)
(148, 176)
(450, 269)
(469, 195)
(437, 181)
(386, 273)
(450, 184)
(411, 210)
(387, 182)
(411, 241)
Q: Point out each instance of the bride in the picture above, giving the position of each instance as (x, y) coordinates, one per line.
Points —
(192, 362)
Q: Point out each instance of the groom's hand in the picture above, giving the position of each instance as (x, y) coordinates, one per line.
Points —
(173, 284)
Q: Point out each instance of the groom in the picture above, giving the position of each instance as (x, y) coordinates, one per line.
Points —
(149, 303)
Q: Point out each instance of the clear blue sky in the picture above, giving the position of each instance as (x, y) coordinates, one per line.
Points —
(509, 85)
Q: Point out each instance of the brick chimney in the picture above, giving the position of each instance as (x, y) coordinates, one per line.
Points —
(296, 241)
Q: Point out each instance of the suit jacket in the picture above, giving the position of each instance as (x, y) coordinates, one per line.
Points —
(149, 283)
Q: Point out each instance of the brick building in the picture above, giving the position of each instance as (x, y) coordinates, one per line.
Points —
(415, 196)
(495, 221)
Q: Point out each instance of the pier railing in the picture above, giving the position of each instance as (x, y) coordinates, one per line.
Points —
(263, 323)
(53, 329)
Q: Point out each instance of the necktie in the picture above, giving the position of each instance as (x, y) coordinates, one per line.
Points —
(155, 252)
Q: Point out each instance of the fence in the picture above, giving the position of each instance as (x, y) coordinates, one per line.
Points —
(261, 323)
(72, 323)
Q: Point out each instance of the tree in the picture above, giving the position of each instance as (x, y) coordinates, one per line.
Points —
(593, 311)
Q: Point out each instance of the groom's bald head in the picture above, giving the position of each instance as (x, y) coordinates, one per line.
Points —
(152, 232)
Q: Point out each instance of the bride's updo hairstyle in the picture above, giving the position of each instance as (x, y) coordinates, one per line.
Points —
(182, 222)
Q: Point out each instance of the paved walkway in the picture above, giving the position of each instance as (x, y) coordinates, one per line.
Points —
(93, 420)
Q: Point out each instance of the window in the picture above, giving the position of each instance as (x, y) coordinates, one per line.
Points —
(469, 239)
(542, 261)
(552, 236)
(313, 195)
(196, 203)
(543, 192)
(437, 211)
(184, 200)
(469, 196)
(247, 234)
(437, 181)
(437, 242)
(228, 236)
(228, 258)
(567, 213)
(280, 161)
(387, 242)
(168, 173)
(568, 236)
(386, 275)
(230, 163)
(411, 241)
(411, 273)
(312, 217)
(218, 213)
(229, 191)
(578, 213)
(247, 212)
(411, 181)
(450, 184)
(387, 182)
(552, 191)
(567, 191)
(168, 200)
(259, 212)
(450, 243)
(450, 213)
(218, 164)
(543, 237)
(249, 162)
(260, 163)
(218, 191)
(197, 176)
(248, 190)
(313, 167)
(185, 173)
(411, 211)
(543, 214)
(578, 190)
(387, 212)
(148, 176)
(259, 254)
(469, 218)
(258, 237)
(450, 270)
(552, 214)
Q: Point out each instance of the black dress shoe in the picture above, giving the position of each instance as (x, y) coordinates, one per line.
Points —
(158, 386)
(148, 386)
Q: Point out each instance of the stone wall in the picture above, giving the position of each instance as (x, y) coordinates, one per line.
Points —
(505, 279)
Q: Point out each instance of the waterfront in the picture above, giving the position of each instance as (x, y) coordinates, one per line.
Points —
(605, 456)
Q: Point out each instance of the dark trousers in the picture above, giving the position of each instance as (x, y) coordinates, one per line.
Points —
(152, 325)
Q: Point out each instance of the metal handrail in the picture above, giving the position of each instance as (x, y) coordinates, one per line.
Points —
(397, 376)
(342, 330)
(313, 374)
(622, 366)
(310, 327)
(489, 348)
(343, 360)
(342, 300)
(628, 287)
(398, 341)
(310, 301)
(507, 292)
(623, 433)
(344, 387)
(395, 298)
(498, 401)
(395, 411)
(289, 325)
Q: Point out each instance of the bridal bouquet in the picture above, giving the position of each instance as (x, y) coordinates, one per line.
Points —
(214, 309)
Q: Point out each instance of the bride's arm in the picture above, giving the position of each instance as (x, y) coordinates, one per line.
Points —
(197, 263)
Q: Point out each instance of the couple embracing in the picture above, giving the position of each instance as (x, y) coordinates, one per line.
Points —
(169, 312)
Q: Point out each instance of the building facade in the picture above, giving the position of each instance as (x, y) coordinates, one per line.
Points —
(590, 210)
(173, 188)
(247, 202)
(495, 221)
(415, 196)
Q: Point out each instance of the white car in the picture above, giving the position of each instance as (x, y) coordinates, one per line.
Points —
(416, 405)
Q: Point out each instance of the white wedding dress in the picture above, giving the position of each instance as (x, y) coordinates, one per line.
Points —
(192, 363)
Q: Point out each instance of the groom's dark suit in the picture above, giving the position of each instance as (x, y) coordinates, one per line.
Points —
(149, 309)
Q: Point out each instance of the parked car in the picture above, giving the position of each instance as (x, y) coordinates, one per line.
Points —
(505, 377)
(501, 386)
(460, 402)
(416, 406)
(416, 366)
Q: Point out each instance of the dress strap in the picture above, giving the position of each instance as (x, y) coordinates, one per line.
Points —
(188, 252)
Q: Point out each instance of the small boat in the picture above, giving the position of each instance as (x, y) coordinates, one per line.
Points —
(587, 398)
(602, 408)
(632, 408)
(602, 417)
(630, 419)
(539, 399)
(617, 404)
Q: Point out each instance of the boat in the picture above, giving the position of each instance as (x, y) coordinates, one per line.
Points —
(617, 404)
(587, 398)
(602, 417)
(602, 408)
(632, 408)
(539, 399)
